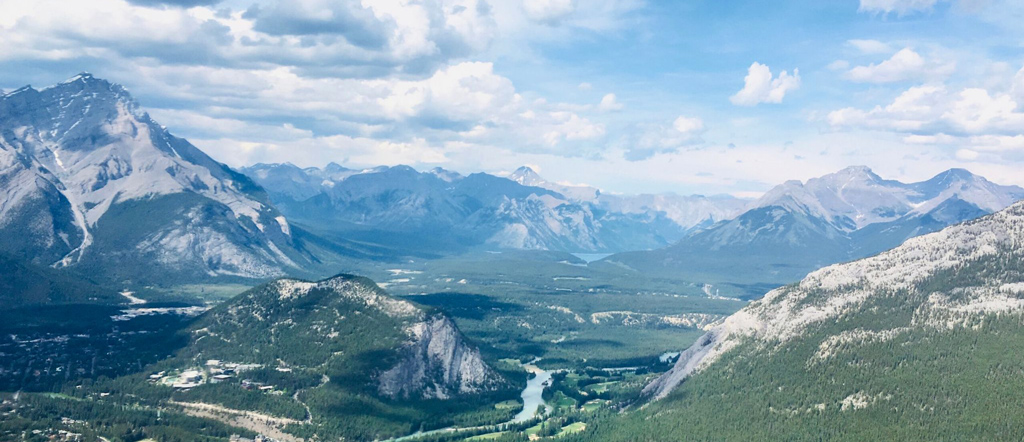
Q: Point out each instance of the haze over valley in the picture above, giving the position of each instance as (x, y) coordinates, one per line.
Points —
(526, 220)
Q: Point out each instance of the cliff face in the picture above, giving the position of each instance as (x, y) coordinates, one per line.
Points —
(437, 363)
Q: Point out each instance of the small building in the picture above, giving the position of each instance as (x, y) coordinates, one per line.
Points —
(192, 376)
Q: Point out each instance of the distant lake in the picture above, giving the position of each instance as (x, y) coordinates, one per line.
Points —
(591, 257)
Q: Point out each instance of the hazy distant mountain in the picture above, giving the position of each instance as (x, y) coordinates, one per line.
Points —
(90, 180)
(798, 227)
(528, 177)
(921, 341)
(445, 210)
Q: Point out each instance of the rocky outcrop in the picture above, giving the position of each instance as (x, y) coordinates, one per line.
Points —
(437, 363)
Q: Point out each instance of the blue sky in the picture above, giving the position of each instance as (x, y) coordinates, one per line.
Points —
(628, 95)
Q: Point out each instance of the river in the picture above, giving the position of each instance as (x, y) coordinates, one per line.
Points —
(533, 398)
(533, 394)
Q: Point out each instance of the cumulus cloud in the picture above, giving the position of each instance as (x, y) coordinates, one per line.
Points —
(548, 10)
(179, 3)
(932, 109)
(609, 103)
(314, 74)
(760, 86)
(688, 126)
(1018, 86)
(349, 19)
(319, 37)
(649, 139)
(974, 120)
(870, 46)
(966, 154)
(900, 7)
(903, 65)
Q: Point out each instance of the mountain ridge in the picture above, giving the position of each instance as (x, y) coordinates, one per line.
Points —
(798, 227)
(81, 158)
(838, 290)
(518, 211)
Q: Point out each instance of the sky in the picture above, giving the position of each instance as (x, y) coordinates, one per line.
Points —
(631, 96)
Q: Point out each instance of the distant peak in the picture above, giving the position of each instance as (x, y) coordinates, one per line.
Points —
(855, 173)
(857, 170)
(525, 175)
(957, 173)
(402, 168)
(524, 170)
(82, 76)
(334, 166)
(19, 90)
(86, 81)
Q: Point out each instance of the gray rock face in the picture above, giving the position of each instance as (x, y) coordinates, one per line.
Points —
(437, 363)
(87, 177)
(949, 280)
(688, 362)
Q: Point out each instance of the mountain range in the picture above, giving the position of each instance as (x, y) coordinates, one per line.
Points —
(93, 185)
(798, 227)
(919, 341)
(444, 210)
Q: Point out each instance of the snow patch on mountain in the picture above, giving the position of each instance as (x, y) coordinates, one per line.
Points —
(85, 145)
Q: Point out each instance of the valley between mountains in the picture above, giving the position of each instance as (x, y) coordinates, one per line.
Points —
(149, 292)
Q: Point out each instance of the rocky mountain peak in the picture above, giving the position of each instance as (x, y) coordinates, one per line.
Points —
(526, 176)
(83, 147)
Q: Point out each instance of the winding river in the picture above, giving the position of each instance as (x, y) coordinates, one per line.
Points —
(533, 394)
(533, 398)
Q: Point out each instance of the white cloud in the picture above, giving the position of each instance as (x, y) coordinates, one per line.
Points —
(465, 92)
(900, 7)
(975, 111)
(870, 46)
(649, 139)
(609, 103)
(316, 151)
(548, 10)
(838, 65)
(688, 125)
(585, 86)
(972, 120)
(903, 65)
(760, 87)
(1018, 86)
(342, 38)
(931, 139)
(966, 154)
